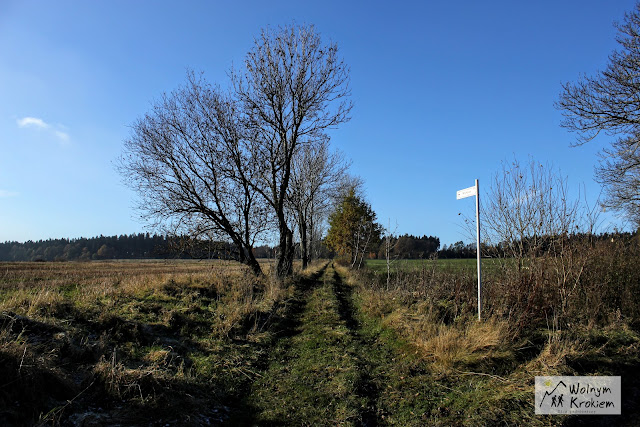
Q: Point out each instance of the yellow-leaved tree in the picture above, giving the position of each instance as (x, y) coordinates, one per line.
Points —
(353, 231)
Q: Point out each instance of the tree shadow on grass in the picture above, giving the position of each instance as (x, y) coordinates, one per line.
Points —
(284, 322)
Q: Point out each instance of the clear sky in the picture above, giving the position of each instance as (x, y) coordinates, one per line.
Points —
(443, 91)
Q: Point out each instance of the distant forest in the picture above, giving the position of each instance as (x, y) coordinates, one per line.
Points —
(133, 246)
(153, 246)
(142, 245)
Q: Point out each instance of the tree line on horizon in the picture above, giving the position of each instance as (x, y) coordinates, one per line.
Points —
(155, 246)
(132, 246)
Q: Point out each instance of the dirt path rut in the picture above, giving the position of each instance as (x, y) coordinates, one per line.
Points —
(320, 370)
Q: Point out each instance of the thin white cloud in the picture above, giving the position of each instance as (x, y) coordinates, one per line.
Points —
(62, 136)
(35, 122)
(32, 121)
(6, 193)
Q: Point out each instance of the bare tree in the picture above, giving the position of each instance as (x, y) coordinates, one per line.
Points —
(316, 174)
(609, 103)
(293, 90)
(526, 209)
(619, 172)
(530, 218)
(188, 163)
(205, 162)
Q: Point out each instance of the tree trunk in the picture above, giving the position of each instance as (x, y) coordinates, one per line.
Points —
(284, 267)
(304, 246)
(253, 264)
(246, 257)
(311, 253)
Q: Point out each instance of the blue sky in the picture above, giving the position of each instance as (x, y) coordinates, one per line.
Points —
(443, 91)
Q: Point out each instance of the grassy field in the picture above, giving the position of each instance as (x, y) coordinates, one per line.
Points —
(105, 343)
(450, 265)
(206, 343)
(415, 264)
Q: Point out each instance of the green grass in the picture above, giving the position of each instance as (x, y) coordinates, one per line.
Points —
(339, 365)
(197, 344)
(313, 371)
(415, 264)
(442, 265)
(414, 393)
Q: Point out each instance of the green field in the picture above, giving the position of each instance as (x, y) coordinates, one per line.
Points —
(441, 264)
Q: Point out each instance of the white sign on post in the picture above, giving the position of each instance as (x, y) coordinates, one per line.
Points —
(461, 194)
(466, 192)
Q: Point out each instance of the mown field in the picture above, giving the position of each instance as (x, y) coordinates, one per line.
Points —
(408, 264)
(448, 265)
(206, 343)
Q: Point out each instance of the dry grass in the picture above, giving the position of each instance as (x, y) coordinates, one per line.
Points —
(163, 335)
(469, 343)
(573, 313)
(45, 290)
(463, 342)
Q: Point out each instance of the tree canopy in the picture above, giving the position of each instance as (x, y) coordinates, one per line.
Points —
(134, 246)
(411, 247)
(220, 164)
(353, 230)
